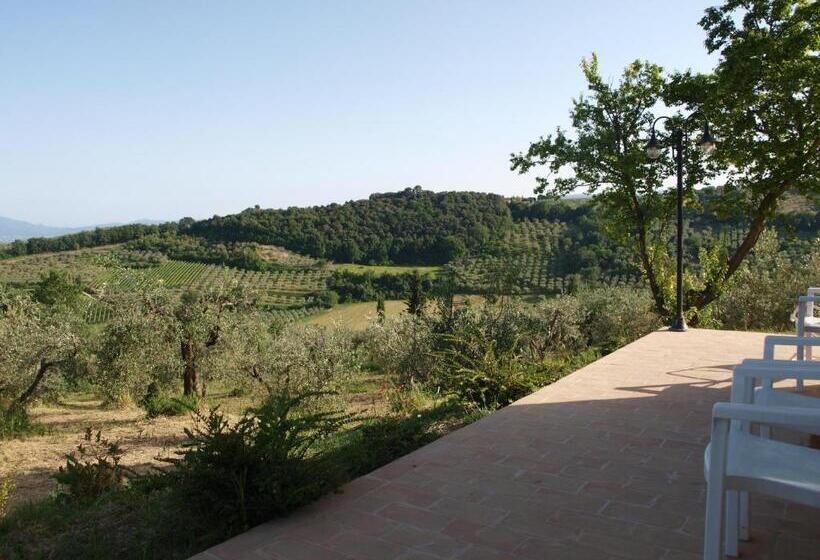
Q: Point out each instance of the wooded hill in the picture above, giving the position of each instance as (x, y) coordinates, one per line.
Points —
(477, 232)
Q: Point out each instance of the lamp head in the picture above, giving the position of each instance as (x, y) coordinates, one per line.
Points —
(653, 147)
(707, 142)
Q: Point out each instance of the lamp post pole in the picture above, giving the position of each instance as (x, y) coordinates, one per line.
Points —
(680, 321)
(654, 149)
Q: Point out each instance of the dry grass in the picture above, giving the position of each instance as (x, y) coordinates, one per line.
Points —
(30, 461)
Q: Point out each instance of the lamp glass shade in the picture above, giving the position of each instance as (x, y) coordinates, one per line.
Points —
(653, 148)
(707, 143)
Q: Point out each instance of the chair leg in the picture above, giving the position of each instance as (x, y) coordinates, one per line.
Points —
(714, 519)
(715, 489)
(732, 522)
(744, 531)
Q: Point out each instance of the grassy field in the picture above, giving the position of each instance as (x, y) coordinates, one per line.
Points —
(378, 270)
(355, 315)
(358, 316)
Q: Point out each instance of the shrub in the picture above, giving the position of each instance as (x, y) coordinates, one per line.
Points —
(555, 326)
(93, 469)
(613, 317)
(293, 359)
(156, 405)
(478, 374)
(764, 291)
(403, 346)
(267, 463)
(14, 421)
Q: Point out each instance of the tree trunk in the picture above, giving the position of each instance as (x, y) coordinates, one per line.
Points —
(643, 250)
(190, 375)
(42, 368)
(767, 204)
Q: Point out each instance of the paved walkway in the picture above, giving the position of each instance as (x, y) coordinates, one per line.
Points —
(606, 463)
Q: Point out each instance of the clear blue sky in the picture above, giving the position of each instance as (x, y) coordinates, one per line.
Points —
(114, 111)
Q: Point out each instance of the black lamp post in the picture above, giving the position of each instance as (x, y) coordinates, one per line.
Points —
(654, 149)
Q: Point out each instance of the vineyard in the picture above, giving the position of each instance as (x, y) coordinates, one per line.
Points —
(536, 257)
(288, 294)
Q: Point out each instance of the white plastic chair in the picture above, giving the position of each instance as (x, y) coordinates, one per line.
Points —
(738, 461)
(744, 379)
(806, 324)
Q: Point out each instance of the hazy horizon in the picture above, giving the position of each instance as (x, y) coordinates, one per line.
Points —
(127, 111)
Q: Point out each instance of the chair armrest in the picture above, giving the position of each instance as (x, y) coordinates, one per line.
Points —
(771, 341)
(777, 369)
(787, 416)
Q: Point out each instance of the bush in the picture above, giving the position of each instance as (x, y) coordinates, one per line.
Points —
(477, 373)
(402, 346)
(267, 463)
(291, 359)
(613, 317)
(14, 421)
(763, 293)
(93, 469)
(156, 405)
(555, 326)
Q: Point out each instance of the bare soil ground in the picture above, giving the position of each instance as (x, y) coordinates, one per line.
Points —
(31, 460)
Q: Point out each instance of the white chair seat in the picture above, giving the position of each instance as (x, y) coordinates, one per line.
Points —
(771, 467)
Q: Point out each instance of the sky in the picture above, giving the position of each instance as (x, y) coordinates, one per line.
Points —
(127, 110)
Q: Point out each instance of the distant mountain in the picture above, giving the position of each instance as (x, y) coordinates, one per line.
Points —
(11, 229)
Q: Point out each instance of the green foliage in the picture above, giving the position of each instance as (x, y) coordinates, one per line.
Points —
(480, 375)
(14, 421)
(57, 288)
(368, 286)
(409, 227)
(401, 346)
(763, 293)
(328, 299)
(759, 101)
(416, 296)
(158, 404)
(93, 469)
(267, 463)
(605, 156)
(293, 359)
(43, 347)
(615, 317)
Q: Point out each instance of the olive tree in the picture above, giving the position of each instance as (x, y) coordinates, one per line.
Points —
(40, 346)
(158, 337)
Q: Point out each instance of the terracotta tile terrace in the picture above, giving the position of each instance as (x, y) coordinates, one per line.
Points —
(606, 463)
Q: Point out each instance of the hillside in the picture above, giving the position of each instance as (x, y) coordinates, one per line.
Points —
(11, 229)
(480, 242)
(413, 226)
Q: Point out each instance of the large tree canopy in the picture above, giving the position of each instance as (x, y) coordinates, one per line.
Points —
(762, 104)
(604, 155)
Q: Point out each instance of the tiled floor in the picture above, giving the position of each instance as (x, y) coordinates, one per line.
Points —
(606, 463)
